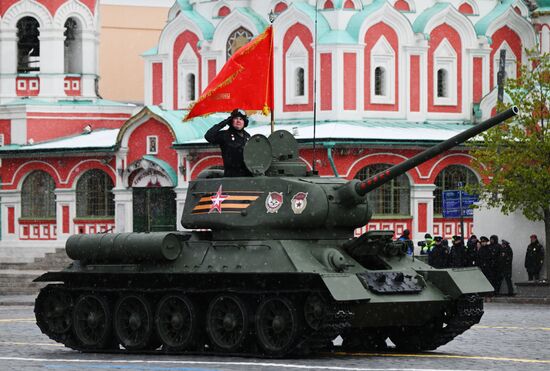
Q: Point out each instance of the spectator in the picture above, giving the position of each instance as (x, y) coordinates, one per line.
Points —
(471, 250)
(406, 237)
(505, 258)
(458, 253)
(534, 258)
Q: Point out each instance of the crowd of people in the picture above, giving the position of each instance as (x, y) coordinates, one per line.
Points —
(493, 258)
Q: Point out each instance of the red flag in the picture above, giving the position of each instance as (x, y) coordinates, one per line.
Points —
(245, 81)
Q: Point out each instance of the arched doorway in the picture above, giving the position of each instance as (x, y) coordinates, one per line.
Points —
(154, 199)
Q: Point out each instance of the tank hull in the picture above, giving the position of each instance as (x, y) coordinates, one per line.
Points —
(268, 298)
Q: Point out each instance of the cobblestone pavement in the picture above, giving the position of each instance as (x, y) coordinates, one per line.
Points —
(509, 337)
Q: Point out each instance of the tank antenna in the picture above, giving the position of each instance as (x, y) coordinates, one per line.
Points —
(313, 167)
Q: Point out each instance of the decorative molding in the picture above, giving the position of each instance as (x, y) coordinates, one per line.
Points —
(75, 9)
(27, 8)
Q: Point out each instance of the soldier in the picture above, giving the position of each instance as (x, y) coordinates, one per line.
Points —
(231, 142)
(505, 257)
(534, 258)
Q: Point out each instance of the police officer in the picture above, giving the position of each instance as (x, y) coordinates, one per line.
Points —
(231, 142)
(426, 245)
(534, 258)
(458, 253)
(485, 259)
(505, 257)
(439, 255)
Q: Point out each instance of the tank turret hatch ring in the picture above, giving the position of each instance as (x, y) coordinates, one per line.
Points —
(284, 145)
(257, 154)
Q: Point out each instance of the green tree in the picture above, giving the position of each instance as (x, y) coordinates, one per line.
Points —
(515, 156)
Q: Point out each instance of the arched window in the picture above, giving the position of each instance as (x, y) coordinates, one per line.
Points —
(73, 46)
(300, 83)
(38, 196)
(393, 198)
(379, 81)
(328, 5)
(28, 45)
(442, 83)
(94, 196)
(448, 180)
(236, 40)
(191, 86)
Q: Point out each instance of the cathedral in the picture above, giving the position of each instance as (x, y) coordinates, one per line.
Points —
(384, 79)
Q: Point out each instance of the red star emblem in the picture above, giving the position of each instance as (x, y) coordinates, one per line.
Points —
(217, 200)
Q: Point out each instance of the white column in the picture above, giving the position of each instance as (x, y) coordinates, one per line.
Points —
(10, 199)
(184, 175)
(89, 63)
(8, 64)
(124, 217)
(52, 63)
(422, 194)
(65, 198)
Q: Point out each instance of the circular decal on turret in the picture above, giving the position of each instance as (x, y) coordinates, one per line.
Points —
(299, 202)
(273, 202)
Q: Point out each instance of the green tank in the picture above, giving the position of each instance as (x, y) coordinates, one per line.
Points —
(269, 267)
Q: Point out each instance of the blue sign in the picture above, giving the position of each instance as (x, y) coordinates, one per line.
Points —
(451, 204)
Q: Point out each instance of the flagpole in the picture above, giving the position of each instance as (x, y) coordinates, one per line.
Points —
(315, 90)
(272, 17)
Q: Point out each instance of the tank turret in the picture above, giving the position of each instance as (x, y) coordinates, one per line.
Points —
(282, 200)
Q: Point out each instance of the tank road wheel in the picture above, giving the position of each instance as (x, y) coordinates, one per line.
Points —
(133, 322)
(315, 309)
(53, 310)
(276, 325)
(92, 322)
(176, 322)
(227, 322)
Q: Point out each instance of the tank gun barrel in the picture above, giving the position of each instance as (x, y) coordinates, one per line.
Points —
(383, 177)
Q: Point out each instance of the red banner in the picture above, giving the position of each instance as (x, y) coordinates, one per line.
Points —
(245, 81)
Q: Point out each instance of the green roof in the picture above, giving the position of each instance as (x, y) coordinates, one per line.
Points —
(206, 27)
(422, 20)
(354, 24)
(184, 5)
(260, 23)
(309, 10)
(483, 24)
(65, 102)
(337, 37)
(152, 51)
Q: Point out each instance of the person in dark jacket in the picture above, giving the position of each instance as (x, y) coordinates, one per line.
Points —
(458, 253)
(439, 255)
(495, 247)
(504, 261)
(471, 251)
(485, 259)
(534, 258)
(231, 142)
(406, 237)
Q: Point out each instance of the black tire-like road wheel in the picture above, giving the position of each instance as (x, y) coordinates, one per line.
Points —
(227, 322)
(176, 322)
(133, 322)
(315, 309)
(53, 309)
(277, 326)
(92, 322)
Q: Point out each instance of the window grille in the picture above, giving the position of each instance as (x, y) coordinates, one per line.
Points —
(94, 196)
(393, 198)
(38, 196)
(300, 84)
(448, 180)
(28, 45)
(236, 40)
(442, 83)
(379, 81)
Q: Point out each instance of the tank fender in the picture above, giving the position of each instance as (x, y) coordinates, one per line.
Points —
(458, 281)
(345, 287)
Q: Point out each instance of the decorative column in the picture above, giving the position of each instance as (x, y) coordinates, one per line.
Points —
(422, 200)
(89, 63)
(124, 217)
(8, 63)
(10, 203)
(52, 64)
(65, 200)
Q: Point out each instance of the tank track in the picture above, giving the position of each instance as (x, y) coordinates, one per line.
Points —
(54, 314)
(468, 312)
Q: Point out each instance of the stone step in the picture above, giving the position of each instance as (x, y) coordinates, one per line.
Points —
(50, 261)
(18, 282)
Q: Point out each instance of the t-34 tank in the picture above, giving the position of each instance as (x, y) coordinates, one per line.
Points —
(272, 269)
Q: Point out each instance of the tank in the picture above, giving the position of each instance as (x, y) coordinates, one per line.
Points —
(268, 266)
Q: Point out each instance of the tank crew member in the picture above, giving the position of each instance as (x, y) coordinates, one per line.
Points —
(231, 142)
(406, 237)
(505, 257)
(534, 258)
